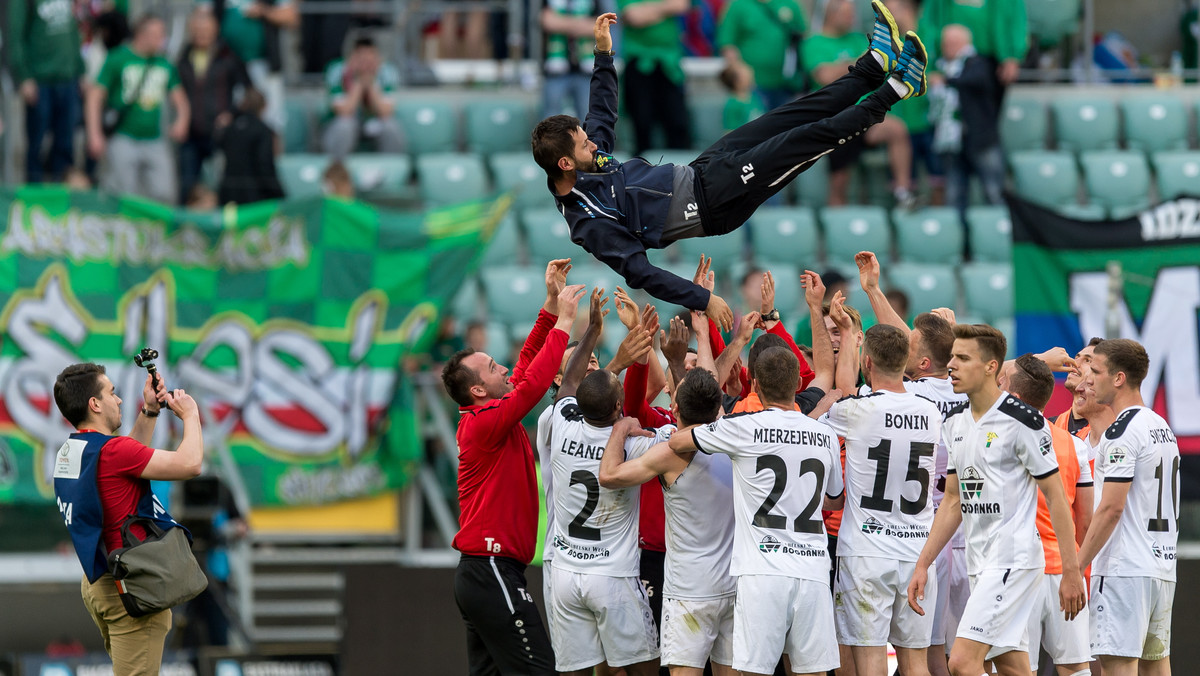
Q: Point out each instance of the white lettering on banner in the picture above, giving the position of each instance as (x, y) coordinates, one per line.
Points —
(1171, 220)
(1168, 332)
(267, 369)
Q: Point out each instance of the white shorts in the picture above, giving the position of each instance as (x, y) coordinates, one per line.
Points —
(870, 603)
(774, 615)
(998, 610)
(1131, 617)
(952, 592)
(597, 618)
(1066, 642)
(547, 594)
(694, 631)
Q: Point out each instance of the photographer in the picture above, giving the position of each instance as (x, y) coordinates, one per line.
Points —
(100, 478)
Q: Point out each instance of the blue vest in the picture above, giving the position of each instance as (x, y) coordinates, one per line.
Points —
(75, 473)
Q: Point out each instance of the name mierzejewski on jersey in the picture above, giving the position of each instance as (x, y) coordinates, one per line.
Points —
(1140, 448)
(891, 439)
(595, 528)
(783, 463)
(996, 462)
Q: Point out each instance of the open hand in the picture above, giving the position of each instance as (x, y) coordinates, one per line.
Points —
(627, 310)
(814, 288)
(603, 31)
(704, 275)
(868, 270)
(767, 293)
(568, 302)
(718, 310)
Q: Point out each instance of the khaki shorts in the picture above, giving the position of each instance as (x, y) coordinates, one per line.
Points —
(135, 644)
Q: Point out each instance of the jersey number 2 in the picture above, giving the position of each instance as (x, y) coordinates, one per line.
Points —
(576, 529)
(805, 523)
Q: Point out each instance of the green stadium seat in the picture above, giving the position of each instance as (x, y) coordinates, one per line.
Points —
(595, 275)
(297, 126)
(301, 174)
(811, 187)
(990, 233)
(1008, 326)
(1083, 212)
(1052, 20)
(1118, 180)
(498, 125)
(725, 250)
(450, 178)
(504, 249)
(1023, 124)
(1154, 123)
(1049, 178)
(549, 237)
(1082, 123)
(429, 126)
(929, 235)
(789, 297)
(379, 175)
(927, 286)
(784, 234)
(1177, 172)
(518, 172)
(499, 342)
(514, 294)
(465, 305)
(851, 229)
(988, 288)
(707, 123)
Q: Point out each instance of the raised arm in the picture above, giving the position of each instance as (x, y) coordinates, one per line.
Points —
(601, 121)
(143, 427)
(556, 280)
(868, 278)
(846, 374)
(822, 346)
(729, 357)
(187, 459)
(767, 306)
(704, 355)
(674, 347)
(576, 367)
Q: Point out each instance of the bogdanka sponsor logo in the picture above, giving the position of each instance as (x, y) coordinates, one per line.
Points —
(971, 488)
(769, 545)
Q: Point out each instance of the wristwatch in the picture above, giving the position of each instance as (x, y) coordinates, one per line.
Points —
(603, 52)
(146, 412)
(772, 316)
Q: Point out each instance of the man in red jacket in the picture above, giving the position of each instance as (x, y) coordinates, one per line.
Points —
(498, 491)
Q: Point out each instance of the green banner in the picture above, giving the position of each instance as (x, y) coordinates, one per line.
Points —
(287, 321)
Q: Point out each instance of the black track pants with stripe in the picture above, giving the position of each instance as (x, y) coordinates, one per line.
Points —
(505, 633)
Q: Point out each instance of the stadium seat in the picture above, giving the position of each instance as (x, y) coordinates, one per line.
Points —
(429, 126)
(707, 123)
(498, 125)
(1118, 180)
(378, 175)
(1085, 123)
(449, 178)
(1177, 172)
(514, 294)
(301, 174)
(789, 297)
(930, 235)
(549, 237)
(927, 286)
(851, 229)
(499, 341)
(465, 304)
(1049, 178)
(1083, 212)
(725, 250)
(1008, 326)
(1154, 123)
(1052, 20)
(811, 187)
(594, 275)
(988, 288)
(518, 172)
(297, 126)
(989, 233)
(1023, 124)
(784, 234)
(504, 249)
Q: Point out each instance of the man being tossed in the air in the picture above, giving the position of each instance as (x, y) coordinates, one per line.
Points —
(618, 210)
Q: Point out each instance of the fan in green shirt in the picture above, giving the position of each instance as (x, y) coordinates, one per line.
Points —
(744, 102)
(765, 34)
(1000, 29)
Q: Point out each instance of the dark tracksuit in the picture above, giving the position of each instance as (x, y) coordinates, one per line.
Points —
(623, 209)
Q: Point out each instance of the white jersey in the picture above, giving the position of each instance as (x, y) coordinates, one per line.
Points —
(941, 392)
(699, 517)
(1140, 448)
(890, 442)
(783, 461)
(996, 462)
(595, 528)
(542, 444)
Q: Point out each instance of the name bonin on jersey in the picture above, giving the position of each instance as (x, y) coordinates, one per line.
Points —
(769, 435)
(578, 450)
(903, 421)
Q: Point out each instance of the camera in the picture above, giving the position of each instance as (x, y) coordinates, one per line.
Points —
(145, 359)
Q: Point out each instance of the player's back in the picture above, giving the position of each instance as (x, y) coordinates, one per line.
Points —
(700, 525)
(941, 392)
(783, 463)
(890, 438)
(595, 528)
(1140, 448)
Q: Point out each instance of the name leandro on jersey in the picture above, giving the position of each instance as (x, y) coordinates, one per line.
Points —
(578, 450)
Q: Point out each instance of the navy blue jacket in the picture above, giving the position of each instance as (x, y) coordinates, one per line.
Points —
(619, 212)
